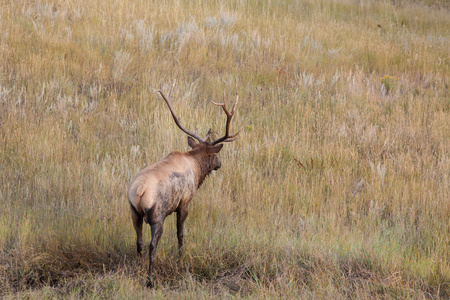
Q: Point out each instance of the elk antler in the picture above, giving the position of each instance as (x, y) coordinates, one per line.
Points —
(169, 104)
(227, 137)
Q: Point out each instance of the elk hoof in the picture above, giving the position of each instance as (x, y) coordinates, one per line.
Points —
(150, 283)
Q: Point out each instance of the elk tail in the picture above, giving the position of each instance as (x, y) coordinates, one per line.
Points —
(140, 191)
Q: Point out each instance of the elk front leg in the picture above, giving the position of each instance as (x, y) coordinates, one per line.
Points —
(182, 213)
(137, 223)
(157, 230)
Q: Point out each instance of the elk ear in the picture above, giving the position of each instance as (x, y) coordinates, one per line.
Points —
(214, 149)
(191, 142)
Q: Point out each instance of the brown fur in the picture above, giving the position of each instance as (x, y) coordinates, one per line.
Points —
(167, 186)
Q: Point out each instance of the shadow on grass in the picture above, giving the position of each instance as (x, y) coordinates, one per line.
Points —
(87, 272)
(68, 271)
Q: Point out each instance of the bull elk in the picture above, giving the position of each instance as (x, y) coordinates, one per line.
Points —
(169, 185)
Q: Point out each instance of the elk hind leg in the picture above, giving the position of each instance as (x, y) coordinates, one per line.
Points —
(137, 223)
(157, 230)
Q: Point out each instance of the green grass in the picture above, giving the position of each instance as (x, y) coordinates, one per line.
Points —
(337, 187)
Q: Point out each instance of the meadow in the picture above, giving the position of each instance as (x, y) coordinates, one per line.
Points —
(337, 186)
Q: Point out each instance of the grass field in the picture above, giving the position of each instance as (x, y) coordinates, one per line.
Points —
(337, 187)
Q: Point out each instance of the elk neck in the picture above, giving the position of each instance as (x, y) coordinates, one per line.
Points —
(203, 168)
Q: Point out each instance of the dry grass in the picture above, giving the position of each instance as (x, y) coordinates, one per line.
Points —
(338, 186)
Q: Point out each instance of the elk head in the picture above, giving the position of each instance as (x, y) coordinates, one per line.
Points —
(204, 151)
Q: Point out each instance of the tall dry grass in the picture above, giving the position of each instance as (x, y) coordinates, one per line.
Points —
(337, 187)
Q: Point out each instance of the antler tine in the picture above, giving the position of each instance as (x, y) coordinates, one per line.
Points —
(169, 105)
(227, 137)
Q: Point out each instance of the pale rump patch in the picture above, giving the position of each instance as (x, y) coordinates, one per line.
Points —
(140, 191)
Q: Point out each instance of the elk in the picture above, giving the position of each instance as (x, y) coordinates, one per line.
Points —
(169, 185)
